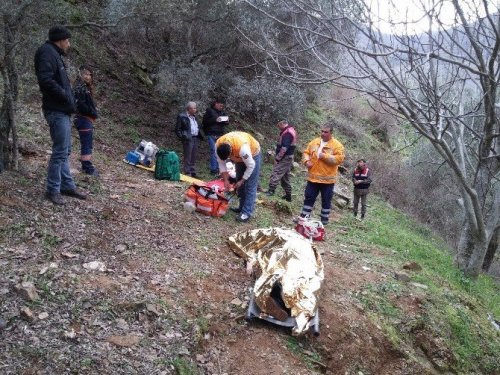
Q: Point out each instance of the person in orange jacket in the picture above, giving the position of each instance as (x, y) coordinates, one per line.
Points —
(322, 158)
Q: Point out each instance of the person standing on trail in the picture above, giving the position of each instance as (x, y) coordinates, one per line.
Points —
(58, 104)
(283, 160)
(214, 122)
(188, 132)
(361, 178)
(244, 151)
(86, 114)
(322, 158)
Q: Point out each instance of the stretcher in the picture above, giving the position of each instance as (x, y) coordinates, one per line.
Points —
(253, 311)
(184, 178)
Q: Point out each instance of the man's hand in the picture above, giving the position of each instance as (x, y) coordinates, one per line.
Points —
(309, 164)
(239, 184)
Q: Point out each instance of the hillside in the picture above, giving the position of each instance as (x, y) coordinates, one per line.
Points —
(173, 296)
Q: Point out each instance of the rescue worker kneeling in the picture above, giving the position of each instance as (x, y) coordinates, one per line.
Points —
(244, 151)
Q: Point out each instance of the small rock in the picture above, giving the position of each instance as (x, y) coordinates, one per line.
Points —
(184, 351)
(3, 324)
(27, 290)
(27, 314)
(95, 266)
(4, 291)
(43, 270)
(121, 247)
(122, 324)
(200, 358)
(124, 341)
(152, 308)
(412, 266)
(69, 335)
(422, 286)
(401, 276)
(43, 315)
(236, 302)
(366, 268)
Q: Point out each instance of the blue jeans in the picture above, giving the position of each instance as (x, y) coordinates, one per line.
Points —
(213, 165)
(58, 175)
(248, 192)
(310, 195)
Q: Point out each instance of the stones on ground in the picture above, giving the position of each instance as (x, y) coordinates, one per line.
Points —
(3, 324)
(69, 255)
(401, 276)
(236, 301)
(122, 324)
(27, 314)
(4, 291)
(95, 266)
(43, 315)
(121, 247)
(27, 290)
(152, 308)
(366, 268)
(421, 286)
(124, 341)
(412, 266)
(69, 335)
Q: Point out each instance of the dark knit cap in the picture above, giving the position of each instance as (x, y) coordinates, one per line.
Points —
(58, 33)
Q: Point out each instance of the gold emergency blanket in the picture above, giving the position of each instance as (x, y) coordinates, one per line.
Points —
(284, 256)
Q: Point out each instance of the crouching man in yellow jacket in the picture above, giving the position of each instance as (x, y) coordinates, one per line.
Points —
(322, 159)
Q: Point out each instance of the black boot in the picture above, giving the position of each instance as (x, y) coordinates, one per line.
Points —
(269, 192)
(88, 168)
(287, 197)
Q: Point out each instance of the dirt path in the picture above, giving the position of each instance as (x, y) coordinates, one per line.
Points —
(167, 297)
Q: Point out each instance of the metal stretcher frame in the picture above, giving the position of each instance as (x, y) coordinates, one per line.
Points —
(254, 311)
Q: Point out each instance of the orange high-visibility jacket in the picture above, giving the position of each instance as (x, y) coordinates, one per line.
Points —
(324, 170)
(236, 140)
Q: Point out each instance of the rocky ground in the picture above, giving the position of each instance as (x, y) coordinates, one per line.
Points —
(128, 282)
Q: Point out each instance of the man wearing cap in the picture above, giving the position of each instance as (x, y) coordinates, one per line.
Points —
(322, 159)
(58, 104)
(214, 122)
(283, 160)
(361, 178)
(244, 151)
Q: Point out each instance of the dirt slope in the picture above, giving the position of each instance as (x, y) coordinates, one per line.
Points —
(166, 301)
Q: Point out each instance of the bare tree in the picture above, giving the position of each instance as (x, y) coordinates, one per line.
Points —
(11, 13)
(443, 82)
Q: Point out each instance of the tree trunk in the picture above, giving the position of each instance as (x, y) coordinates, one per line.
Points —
(492, 249)
(472, 248)
(9, 153)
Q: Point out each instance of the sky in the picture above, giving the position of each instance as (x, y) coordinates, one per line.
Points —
(414, 12)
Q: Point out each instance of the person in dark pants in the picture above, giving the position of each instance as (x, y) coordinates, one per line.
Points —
(214, 122)
(361, 178)
(86, 114)
(244, 151)
(58, 104)
(322, 159)
(283, 160)
(188, 131)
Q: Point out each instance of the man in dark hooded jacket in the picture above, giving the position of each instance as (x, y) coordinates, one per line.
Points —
(58, 104)
(214, 122)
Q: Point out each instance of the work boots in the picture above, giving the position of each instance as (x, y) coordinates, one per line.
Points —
(88, 168)
(269, 192)
(287, 197)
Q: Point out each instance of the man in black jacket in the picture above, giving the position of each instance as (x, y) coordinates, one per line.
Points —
(58, 104)
(214, 121)
(188, 131)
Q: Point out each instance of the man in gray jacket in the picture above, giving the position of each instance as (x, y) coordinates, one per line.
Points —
(188, 131)
(58, 104)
